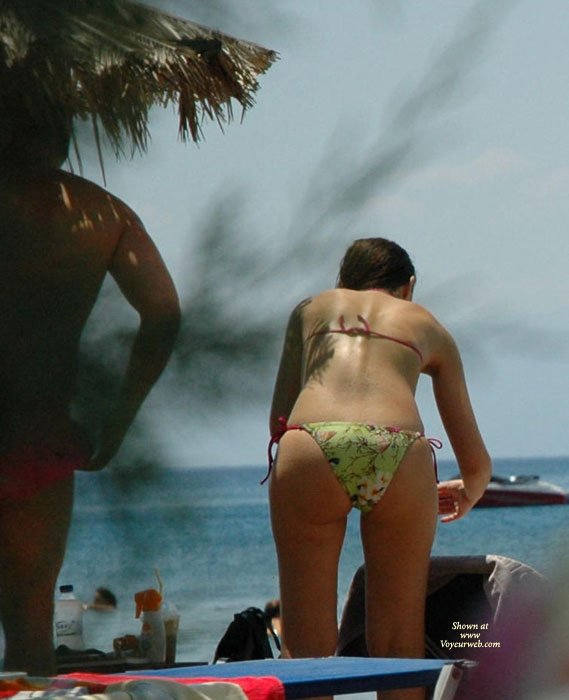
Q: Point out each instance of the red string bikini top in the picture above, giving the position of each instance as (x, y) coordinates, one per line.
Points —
(366, 330)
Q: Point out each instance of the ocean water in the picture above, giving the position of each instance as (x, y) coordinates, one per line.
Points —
(207, 533)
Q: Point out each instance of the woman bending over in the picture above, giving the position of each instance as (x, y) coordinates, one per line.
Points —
(350, 435)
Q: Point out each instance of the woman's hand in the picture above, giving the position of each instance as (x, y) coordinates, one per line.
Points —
(453, 500)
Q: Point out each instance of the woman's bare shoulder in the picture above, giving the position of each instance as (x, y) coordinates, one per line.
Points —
(439, 342)
(321, 306)
(426, 327)
(423, 315)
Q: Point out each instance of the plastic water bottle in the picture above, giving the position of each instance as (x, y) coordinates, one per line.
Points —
(69, 620)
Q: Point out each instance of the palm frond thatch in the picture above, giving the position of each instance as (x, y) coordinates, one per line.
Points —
(112, 60)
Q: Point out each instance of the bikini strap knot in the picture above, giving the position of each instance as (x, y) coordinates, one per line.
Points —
(435, 443)
(366, 327)
(354, 330)
(275, 438)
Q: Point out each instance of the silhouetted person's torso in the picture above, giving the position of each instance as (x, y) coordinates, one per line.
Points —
(57, 236)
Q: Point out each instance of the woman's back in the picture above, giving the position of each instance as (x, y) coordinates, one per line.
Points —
(362, 353)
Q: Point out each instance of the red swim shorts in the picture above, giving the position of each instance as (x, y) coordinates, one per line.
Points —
(28, 470)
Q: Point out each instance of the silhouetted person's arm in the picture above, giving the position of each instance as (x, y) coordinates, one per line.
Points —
(145, 282)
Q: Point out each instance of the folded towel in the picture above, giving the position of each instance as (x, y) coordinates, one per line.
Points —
(254, 687)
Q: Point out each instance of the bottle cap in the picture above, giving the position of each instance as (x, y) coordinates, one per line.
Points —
(147, 601)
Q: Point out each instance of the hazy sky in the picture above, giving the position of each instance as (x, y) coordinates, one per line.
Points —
(481, 200)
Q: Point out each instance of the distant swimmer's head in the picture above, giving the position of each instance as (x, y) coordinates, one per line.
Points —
(104, 598)
(376, 263)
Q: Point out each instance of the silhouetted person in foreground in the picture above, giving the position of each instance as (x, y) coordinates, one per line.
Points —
(59, 236)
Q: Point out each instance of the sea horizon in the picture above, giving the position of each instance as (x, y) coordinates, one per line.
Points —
(206, 530)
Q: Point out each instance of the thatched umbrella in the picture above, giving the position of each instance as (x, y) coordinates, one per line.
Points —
(111, 60)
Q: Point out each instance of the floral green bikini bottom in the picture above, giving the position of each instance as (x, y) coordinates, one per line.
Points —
(363, 457)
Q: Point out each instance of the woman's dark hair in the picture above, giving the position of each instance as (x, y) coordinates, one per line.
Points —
(375, 263)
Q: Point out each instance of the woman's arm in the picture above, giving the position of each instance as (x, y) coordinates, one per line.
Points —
(457, 497)
(289, 377)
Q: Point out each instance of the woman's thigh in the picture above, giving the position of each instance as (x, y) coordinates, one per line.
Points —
(397, 537)
(308, 515)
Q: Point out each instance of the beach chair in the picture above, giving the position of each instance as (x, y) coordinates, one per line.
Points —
(467, 595)
(302, 678)
(268, 679)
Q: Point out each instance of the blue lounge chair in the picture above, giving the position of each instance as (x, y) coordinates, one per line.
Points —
(336, 675)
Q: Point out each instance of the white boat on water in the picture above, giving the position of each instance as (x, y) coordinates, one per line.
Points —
(521, 490)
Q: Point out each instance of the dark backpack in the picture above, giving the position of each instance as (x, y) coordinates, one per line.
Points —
(246, 638)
